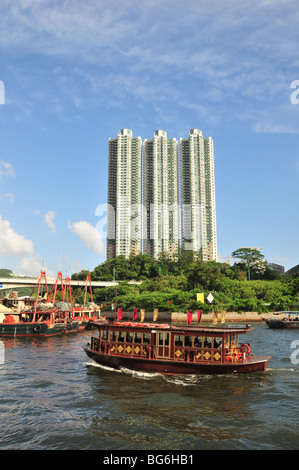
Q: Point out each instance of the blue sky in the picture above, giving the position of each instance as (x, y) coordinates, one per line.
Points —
(72, 74)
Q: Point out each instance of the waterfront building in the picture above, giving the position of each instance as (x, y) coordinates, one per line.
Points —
(124, 195)
(155, 222)
(160, 196)
(198, 204)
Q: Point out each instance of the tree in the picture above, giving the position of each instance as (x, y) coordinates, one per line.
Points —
(253, 259)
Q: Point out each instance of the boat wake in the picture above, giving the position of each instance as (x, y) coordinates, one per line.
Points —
(123, 370)
(182, 380)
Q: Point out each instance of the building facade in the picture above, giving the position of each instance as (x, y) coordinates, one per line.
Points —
(124, 220)
(160, 196)
(162, 221)
(198, 204)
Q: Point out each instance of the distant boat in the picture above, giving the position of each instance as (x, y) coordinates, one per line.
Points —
(37, 322)
(287, 320)
(45, 317)
(167, 349)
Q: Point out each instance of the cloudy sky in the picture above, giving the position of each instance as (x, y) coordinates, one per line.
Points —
(73, 73)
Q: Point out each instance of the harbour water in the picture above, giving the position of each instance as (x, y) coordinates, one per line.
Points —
(54, 398)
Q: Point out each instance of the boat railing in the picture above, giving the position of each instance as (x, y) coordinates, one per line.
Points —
(123, 348)
(180, 353)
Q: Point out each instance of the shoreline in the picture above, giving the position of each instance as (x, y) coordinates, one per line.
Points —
(173, 317)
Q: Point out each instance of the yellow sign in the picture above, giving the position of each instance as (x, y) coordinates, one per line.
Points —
(200, 298)
(142, 312)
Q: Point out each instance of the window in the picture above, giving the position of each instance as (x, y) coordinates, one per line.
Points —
(178, 340)
(129, 337)
(138, 337)
(207, 342)
(121, 336)
(104, 334)
(146, 338)
(163, 339)
(197, 341)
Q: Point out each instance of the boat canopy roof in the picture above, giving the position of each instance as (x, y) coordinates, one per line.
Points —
(178, 329)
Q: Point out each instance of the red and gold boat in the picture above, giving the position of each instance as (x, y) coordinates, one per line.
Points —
(170, 349)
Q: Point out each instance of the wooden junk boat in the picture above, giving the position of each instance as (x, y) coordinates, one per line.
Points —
(45, 317)
(286, 320)
(165, 349)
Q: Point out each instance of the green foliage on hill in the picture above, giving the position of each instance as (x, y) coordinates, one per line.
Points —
(172, 285)
(5, 272)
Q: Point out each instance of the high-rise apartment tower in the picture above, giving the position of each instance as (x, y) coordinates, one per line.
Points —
(124, 195)
(160, 196)
(198, 206)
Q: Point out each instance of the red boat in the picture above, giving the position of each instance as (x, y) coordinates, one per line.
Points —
(45, 316)
(167, 349)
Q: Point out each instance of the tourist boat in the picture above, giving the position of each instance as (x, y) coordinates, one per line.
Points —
(167, 349)
(287, 320)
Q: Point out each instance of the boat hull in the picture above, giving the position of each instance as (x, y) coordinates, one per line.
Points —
(256, 364)
(37, 329)
(282, 324)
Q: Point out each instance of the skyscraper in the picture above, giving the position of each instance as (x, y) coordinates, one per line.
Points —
(160, 196)
(198, 205)
(124, 195)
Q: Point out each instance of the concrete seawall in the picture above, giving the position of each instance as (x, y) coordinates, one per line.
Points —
(230, 317)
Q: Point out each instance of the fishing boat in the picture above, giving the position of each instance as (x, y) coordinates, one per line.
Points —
(40, 315)
(90, 311)
(286, 320)
(38, 323)
(170, 349)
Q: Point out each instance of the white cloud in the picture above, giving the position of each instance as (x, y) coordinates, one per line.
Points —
(9, 196)
(89, 235)
(230, 56)
(6, 169)
(49, 217)
(11, 242)
(30, 266)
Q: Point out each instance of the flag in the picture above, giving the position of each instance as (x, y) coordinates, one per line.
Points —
(189, 317)
(223, 316)
(142, 312)
(199, 314)
(215, 317)
(135, 314)
(119, 313)
(155, 314)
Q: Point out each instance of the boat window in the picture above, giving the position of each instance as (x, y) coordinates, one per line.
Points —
(207, 342)
(121, 336)
(146, 338)
(138, 337)
(104, 334)
(188, 341)
(129, 337)
(234, 341)
(178, 340)
(231, 341)
(113, 335)
(197, 341)
(217, 343)
(164, 339)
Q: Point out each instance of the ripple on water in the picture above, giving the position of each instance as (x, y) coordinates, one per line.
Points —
(53, 398)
